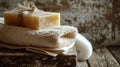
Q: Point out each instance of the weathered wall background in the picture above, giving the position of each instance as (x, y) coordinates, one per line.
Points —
(97, 20)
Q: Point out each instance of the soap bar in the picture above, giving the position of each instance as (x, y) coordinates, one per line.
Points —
(43, 20)
(35, 21)
(12, 18)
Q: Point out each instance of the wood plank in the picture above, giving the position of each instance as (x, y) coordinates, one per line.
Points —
(82, 64)
(18, 57)
(102, 58)
(115, 50)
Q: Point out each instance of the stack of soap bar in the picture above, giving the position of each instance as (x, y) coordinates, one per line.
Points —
(36, 21)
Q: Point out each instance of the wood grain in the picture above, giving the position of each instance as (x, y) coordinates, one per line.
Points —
(82, 64)
(23, 58)
(115, 50)
(103, 58)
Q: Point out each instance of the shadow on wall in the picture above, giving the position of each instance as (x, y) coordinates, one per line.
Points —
(97, 20)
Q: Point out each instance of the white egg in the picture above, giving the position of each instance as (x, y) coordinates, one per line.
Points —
(84, 47)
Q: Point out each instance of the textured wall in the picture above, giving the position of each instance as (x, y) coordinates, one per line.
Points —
(98, 20)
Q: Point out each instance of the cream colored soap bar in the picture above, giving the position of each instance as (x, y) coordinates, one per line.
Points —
(36, 21)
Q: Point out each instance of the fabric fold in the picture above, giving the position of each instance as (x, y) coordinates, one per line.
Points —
(54, 40)
(27, 8)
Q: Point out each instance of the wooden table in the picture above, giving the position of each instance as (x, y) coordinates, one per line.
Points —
(104, 57)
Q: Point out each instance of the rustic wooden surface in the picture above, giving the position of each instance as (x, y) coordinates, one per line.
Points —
(115, 50)
(102, 57)
(23, 58)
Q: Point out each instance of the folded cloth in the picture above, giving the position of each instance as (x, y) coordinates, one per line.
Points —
(49, 51)
(56, 39)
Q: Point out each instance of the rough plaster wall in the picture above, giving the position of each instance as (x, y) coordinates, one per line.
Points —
(97, 20)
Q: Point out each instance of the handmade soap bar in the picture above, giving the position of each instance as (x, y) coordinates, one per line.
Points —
(36, 21)
(12, 18)
(42, 20)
